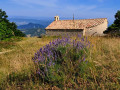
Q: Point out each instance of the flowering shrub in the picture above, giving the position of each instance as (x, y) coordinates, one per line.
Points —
(61, 59)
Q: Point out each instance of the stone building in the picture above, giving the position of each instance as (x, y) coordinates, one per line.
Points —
(88, 27)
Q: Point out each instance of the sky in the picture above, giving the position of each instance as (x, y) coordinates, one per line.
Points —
(82, 9)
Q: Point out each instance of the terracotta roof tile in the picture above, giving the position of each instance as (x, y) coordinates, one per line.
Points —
(75, 24)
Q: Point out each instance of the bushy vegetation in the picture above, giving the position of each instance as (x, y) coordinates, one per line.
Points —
(114, 29)
(59, 65)
(8, 29)
(63, 61)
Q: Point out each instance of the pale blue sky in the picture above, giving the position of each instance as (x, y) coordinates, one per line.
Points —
(63, 8)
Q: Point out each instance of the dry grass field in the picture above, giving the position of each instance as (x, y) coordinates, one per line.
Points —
(105, 55)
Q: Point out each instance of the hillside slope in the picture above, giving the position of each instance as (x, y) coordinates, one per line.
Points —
(31, 25)
(17, 70)
(32, 29)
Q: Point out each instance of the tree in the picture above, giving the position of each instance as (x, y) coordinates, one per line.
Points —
(3, 15)
(114, 29)
(8, 29)
(117, 19)
(5, 31)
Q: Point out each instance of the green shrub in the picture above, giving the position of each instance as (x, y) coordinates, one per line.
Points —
(63, 60)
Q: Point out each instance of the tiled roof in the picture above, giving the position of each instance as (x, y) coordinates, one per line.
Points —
(76, 24)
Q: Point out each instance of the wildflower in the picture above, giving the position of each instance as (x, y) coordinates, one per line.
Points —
(47, 56)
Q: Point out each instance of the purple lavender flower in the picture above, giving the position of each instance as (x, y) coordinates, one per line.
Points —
(50, 63)
(82, 39)
(79, 35)
(38, 72)
(50, 53)
(53, 63)
(84, 58)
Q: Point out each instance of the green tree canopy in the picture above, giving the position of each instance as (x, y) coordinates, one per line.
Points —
(117, 19)
(114, 29)
(8, 29)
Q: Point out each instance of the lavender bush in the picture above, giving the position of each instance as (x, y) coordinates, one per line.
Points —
(62, 59)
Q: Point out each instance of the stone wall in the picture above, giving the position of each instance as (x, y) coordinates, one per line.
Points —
(64, 32)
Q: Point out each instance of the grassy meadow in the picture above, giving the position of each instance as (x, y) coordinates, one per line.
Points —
(17, 70)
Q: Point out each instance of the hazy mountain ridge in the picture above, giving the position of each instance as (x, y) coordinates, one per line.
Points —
(23, 21)
(30, 26)
(32, 29)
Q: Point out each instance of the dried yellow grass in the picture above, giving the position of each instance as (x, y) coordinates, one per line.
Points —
(104, 53)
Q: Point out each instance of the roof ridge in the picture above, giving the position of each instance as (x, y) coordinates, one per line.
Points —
(83, 19)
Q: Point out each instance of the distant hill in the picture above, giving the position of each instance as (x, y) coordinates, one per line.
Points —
(23, 21)
(31, 25)
(32, 29)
